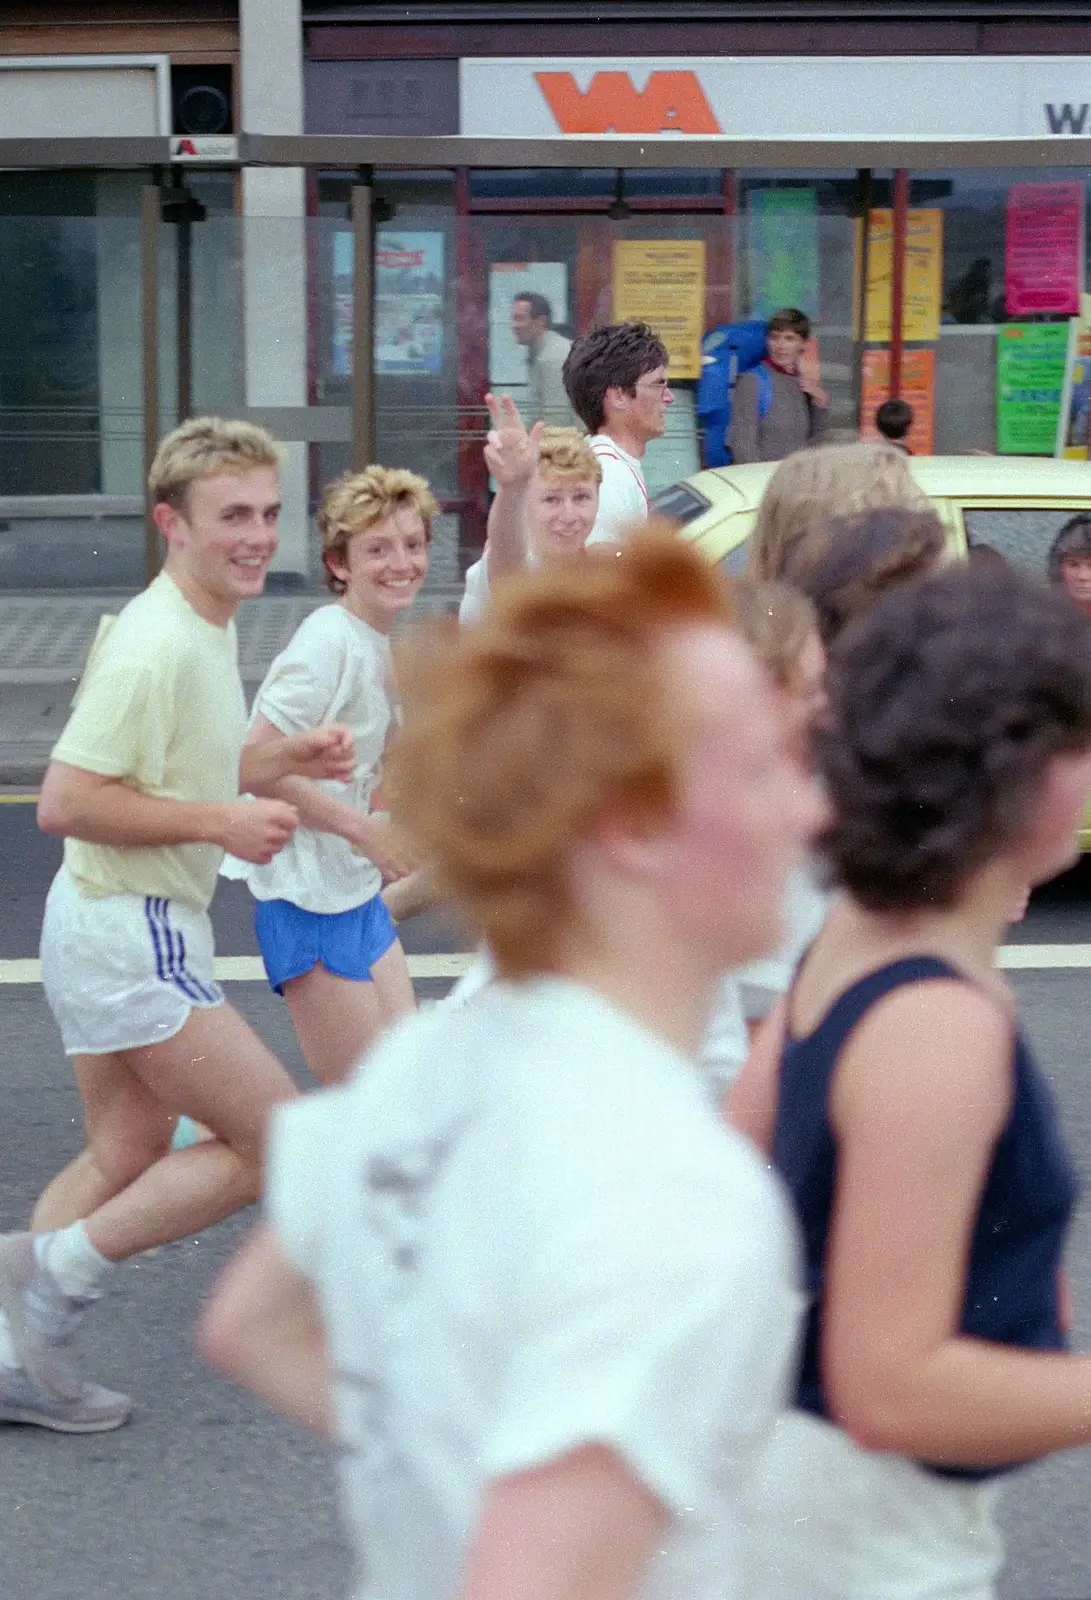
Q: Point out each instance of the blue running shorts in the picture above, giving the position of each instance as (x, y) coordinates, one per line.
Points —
(347, 943)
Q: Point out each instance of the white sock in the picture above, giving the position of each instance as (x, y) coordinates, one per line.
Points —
(72, 1260)
(8, 1354)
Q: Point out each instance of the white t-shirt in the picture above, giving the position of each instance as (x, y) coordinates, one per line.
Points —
(475, 596)
(726, 1043)
(336, 668)
(528, 1231)
(623, 497)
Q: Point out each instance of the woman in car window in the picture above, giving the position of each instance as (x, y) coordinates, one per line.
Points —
(1070, 560)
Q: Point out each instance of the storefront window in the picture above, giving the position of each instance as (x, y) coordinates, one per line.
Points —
(416, 365)
(995, 387)
(70, 373)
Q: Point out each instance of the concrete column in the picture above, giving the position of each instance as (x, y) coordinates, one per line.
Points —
(274, 245)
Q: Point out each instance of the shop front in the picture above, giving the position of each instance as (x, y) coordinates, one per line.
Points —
(962, 293)
(948, 270)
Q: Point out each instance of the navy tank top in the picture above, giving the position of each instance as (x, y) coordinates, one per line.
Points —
(1012, 1289)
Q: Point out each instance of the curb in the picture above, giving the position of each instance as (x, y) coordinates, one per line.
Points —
(22, 773)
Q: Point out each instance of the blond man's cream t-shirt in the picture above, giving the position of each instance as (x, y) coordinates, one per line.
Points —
(160, 707)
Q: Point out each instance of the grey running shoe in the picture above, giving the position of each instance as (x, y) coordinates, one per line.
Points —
(95, 1410)
(43, 1318)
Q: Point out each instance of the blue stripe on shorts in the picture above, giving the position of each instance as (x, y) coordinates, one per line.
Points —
(170, 953)
(346, 943)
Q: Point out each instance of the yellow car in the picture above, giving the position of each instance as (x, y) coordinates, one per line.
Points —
(1015, 504)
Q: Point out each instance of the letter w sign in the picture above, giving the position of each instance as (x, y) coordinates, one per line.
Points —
(670, 102)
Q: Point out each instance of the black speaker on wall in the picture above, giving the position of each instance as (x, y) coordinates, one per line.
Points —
(202, 99)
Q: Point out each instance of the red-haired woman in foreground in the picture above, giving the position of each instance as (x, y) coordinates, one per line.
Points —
(519, 1267)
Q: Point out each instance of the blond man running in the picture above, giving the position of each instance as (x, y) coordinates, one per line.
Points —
(144, 785)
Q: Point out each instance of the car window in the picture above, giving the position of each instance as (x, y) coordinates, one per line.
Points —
(682, 503)
(1021, 534)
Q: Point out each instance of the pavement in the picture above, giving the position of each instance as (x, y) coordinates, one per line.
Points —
(45, 637)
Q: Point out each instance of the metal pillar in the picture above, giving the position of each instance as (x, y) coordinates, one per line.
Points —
(363, 322)
(863, 211)
(897, 287)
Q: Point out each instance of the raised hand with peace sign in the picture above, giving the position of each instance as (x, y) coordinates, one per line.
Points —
(511, 453)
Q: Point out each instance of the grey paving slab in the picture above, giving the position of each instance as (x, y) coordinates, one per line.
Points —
(44, 640)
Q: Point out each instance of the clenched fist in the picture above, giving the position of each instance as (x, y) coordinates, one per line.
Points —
(327, 752)
(255, 830)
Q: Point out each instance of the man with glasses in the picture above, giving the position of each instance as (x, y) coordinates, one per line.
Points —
(616, 381)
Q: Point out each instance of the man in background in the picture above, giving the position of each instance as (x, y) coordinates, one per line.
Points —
(532, 325)
(616, 378)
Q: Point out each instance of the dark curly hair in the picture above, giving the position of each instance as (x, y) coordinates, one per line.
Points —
(609, 358)
(947, 702)
(847, 562)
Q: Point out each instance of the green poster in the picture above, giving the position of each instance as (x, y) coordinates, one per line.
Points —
(1030, 362)
(783, 250)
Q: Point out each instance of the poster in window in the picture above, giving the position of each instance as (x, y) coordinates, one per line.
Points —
(1030, 364)
(918, 390)
(409, 303)
(1043, 249)
(923, 282)
(783, 251)
(662, 282)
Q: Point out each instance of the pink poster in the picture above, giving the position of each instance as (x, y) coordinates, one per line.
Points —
(1043, 259)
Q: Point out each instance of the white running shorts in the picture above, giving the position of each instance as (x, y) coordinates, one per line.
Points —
(832, 1521)
(123, 970)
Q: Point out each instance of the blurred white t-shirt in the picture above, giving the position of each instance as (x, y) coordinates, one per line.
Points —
(726, 1043)
(475, 596)
(528, 1231)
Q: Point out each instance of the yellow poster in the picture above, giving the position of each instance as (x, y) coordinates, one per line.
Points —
(923, 285)
(662, 282)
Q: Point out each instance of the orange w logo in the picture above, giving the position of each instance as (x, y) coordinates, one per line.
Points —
(671, 102)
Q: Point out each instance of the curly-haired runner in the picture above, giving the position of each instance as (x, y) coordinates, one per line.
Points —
(556, 1289)
(904, 1111)
(327, 940)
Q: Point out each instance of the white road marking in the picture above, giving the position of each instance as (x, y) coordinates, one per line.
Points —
(1043, 957)
(248, 969)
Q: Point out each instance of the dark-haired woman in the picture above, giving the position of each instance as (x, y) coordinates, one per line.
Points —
(905, 1113)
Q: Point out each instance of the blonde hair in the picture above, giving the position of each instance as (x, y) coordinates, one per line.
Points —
(521, 733)
(566, 453)
(203, 447)
(358, 500)
(816, 484)
(776, 621)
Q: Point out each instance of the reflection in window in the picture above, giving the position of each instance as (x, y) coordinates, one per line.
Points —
(1022, 536)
